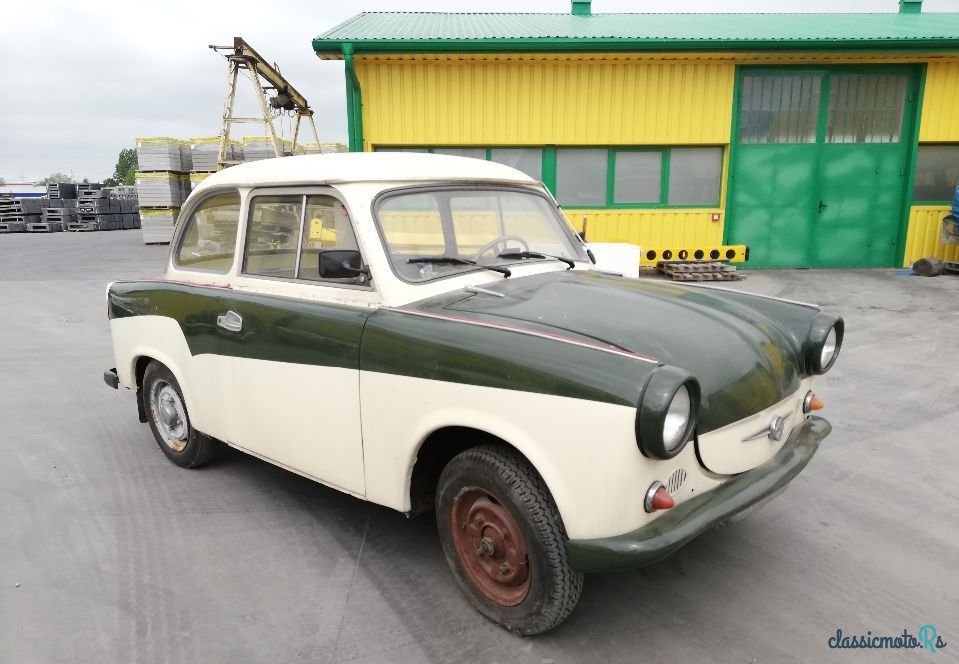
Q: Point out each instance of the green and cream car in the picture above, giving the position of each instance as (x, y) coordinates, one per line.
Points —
(429, 333)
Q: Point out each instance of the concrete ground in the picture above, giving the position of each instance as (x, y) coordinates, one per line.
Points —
(109, 553)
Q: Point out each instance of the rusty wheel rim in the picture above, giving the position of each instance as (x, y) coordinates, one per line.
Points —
(490, 546)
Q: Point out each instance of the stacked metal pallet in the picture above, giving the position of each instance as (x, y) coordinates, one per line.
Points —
(55, 217)
(18, 213)
(124, 192)
(97, 209)
(698, 270)
(61, 191)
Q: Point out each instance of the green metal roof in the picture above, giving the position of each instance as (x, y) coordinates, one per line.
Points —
(424, 32)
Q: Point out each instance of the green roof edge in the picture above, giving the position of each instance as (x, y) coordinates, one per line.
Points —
(572, 44)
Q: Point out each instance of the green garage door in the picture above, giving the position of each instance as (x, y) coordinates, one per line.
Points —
(819, 168)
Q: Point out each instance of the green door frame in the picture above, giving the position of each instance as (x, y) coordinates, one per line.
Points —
(910, 129)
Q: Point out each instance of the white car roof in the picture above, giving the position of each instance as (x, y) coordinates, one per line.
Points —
(364, 167)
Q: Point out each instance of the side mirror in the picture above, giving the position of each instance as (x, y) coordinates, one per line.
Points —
(341, 264)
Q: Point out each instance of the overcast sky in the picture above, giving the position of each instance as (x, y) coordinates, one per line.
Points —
(82, 80)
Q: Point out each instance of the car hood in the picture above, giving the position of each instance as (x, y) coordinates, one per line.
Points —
(746, 351)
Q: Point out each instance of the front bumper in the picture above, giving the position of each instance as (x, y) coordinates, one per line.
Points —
(681, 524)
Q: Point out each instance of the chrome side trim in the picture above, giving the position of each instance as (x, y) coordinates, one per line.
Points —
(533, 333)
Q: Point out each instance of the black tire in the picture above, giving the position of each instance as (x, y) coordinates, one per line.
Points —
(502, 479)
(192, 448)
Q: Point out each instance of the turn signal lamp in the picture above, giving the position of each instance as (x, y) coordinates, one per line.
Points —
(658, 498)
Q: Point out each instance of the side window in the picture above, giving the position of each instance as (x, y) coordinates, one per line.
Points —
(326, 227)
(272, 234)
(210, 237)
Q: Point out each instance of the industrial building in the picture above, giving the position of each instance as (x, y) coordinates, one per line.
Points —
(817, 140)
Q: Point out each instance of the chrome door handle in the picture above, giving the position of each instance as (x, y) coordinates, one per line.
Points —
(230, 321)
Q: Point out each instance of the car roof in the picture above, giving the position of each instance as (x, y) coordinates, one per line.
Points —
(364, 167)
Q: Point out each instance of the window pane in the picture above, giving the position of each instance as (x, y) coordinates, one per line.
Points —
(389, 149)
(638, 177)
(271, 237)
(581, 177)
(865, 108)
(210, 239)
(473, 153)
(527, 160)
(412, 225)
(694, 176)
(493, 220)
(937, 173)
(476, 221)
(327, 226)
(779, 109)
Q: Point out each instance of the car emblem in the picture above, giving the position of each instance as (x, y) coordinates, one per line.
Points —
(774, 431)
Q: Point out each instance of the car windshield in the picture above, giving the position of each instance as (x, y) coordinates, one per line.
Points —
(442, 232)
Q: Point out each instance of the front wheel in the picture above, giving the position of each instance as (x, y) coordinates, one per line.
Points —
(505, 541)
(170, 421)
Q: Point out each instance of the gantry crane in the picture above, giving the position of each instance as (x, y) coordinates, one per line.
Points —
(278, 95)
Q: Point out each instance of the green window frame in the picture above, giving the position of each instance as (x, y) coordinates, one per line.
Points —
(549, 170)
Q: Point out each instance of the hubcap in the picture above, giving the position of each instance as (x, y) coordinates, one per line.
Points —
(169, 416)
(490, 546)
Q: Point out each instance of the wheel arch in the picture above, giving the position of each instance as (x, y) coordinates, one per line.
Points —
(141, 360)
(439, 447)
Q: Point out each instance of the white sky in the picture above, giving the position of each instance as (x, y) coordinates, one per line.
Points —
(81, 80)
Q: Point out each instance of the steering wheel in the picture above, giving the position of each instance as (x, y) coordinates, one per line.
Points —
(500, 244)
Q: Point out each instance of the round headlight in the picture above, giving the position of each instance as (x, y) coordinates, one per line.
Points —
(666, 412)
(677, 420)
(823, 342)
(828, 349)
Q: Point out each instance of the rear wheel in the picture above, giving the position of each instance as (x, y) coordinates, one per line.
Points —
(505, 541)
(170, 421)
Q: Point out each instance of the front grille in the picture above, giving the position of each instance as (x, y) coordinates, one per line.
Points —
(676, 480)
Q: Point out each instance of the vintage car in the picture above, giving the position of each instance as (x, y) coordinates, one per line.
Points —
(428, 332)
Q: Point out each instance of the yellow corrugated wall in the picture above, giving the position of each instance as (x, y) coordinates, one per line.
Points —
(562, 99)
(651, 227)
(940, 103)
(922, 239)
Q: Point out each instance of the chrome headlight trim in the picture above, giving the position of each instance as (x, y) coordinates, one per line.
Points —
(657, 403)
(823, 343)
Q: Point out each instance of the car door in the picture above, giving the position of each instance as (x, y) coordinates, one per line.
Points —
(188, 305)
(290, 338)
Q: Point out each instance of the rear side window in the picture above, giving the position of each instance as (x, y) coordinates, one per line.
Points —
(209, 240)
(272, 236)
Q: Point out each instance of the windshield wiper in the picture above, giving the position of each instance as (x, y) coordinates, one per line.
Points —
(536, 254)
(453, 260)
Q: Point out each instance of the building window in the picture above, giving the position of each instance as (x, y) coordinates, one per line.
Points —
(527, 160)
(937, 174)
(865, 108)
(779, 108)
(587, 177)
(638, 176)
(581, 176)
(472, 153)
(694, 176)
